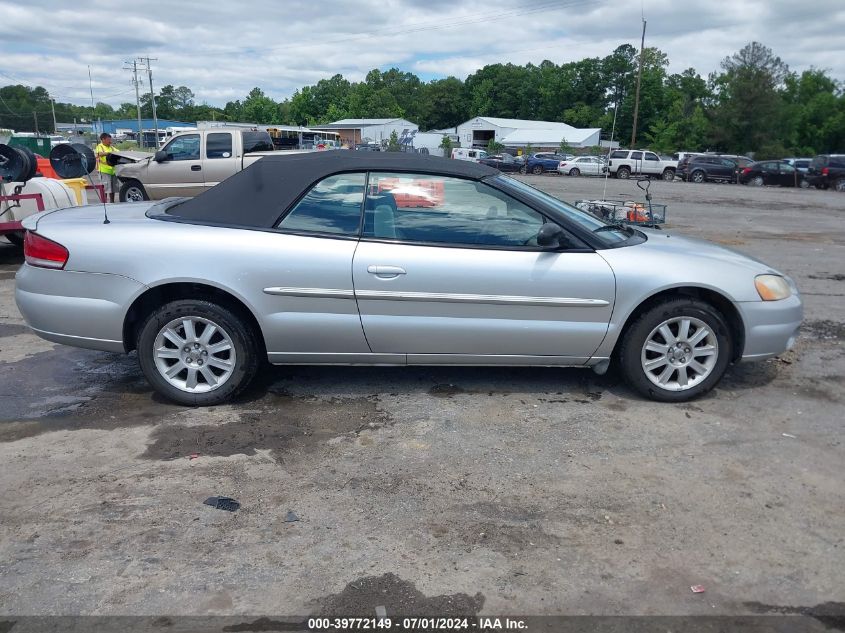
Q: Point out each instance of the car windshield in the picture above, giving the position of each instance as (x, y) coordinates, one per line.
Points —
(608, 233)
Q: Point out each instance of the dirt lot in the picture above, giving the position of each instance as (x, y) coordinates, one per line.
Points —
(528, 491)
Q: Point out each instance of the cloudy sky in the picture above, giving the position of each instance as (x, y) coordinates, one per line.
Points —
(222, 50)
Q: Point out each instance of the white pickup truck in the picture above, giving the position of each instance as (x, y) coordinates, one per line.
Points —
(624, 163)
(189, 163)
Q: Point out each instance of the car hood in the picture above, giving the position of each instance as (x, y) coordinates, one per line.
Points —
(667, 260)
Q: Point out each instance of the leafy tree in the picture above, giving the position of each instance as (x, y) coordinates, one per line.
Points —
(494, 147)
(564, 147)
(259, 108)
(446, 146)
(393, 143)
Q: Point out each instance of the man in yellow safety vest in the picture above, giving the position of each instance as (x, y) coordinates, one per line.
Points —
(105, 171)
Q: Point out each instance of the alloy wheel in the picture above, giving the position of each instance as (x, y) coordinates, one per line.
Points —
(134, 194)
(679, 353)
(194, 354)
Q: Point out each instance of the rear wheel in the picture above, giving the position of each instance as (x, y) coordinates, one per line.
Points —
(676, 351)
(698, 176)
(803, 184)
(133, 191)
(574, 172)
(197, 353)
(15, 238)
(668, 174)
(840, 184)
(537, 169)
(757, 181)
(624, 173)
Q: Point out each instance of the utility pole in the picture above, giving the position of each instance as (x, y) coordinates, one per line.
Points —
(135, 81)
(91, 89)
(35, 118)
(53, 108)
(637, 97)
(152, 96)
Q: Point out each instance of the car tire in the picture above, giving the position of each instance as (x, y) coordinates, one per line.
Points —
(698, 176)
(757, 181)
(653, 363)
(574, 172)
(15, 238)
(803, 184)
(537, 170)
(523, 170)
(839, 185)
(624, 173)
(133, 191)
(668, 175)
(161, 339)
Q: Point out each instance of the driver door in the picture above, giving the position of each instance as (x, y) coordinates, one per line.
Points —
(449, 271)
(180, 173)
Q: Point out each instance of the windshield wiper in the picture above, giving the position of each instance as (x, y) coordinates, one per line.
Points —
(614, 227)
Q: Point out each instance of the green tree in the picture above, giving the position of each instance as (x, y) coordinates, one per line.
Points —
(494, 147)
(393, 142)
(259, 108)
(564, 147)
(446, 146)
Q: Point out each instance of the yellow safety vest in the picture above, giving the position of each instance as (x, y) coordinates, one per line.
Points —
(102, 164)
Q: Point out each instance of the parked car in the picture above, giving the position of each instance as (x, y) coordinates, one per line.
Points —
(714, 167)
(543, 162)
(772, 172)
(190, 163)
(624, 163)
(504, 162)
(582, 166)
(468, 153)
(801, 164)
(827, 170)
(368, 147)
(393, 258)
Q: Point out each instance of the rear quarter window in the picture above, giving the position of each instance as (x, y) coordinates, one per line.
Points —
(255, 141)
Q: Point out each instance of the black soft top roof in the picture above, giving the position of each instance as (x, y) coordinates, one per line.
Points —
(258, 195)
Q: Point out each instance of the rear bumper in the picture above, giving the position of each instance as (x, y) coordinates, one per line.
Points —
(771, 327)
(76, 308)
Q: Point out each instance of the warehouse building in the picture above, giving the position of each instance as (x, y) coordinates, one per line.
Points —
(520, 133)
(354, 131)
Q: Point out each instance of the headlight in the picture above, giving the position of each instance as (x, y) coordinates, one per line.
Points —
(772, 287)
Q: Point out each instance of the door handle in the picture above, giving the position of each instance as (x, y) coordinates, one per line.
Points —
(387, 272)
(196, 167)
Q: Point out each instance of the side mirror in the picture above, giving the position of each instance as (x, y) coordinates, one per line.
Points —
(160, 156)
(549, 235)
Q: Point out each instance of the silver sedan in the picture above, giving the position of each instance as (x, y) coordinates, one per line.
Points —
(392, 259)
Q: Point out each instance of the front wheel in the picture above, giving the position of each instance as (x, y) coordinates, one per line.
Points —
(133, 191)
(676, 351)
(197, 353)
(574, 172)
(523, 170)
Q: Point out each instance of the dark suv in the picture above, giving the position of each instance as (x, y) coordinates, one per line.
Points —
(714, 167)
(827, 171)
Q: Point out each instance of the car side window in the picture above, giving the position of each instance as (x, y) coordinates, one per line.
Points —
(444, 210)
(786, 168)
(650, 156)
(619, 154)
(185, 147)
(218, 145)
(636, 155)
(333, 206)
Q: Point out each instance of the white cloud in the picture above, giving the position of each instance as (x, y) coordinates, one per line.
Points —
(222, 50)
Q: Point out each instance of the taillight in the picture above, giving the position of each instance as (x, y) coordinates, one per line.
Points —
(44, 253)
(825, 171)
(747, 170)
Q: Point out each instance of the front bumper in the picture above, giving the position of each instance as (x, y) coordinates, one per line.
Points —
(771, 327)
(76, 308)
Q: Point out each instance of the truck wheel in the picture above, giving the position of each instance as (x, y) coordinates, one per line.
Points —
(669, 174)
(698, 176)
(537, 169)
(15, 238)
(676, 351)
(133, 191)
(197, 353)
(624, 173)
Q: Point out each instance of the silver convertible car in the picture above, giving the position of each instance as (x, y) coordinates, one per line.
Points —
(351, 258)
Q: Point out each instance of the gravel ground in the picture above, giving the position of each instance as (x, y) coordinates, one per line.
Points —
(469, 490)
